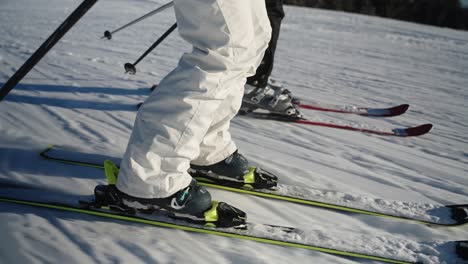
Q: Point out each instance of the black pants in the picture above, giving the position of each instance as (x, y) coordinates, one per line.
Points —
(275, 14)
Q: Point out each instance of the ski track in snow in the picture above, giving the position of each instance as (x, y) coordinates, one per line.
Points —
(79, 96)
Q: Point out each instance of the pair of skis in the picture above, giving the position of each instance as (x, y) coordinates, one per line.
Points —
(345, 109)
(277, 235)
(363, 111)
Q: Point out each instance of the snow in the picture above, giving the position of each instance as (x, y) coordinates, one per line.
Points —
(79, 96)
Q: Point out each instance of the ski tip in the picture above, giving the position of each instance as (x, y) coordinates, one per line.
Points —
(387, 112)
(420, 130)
(459, 213)
(43, 152)
(399, 110)
(413, 131)
(462, 249)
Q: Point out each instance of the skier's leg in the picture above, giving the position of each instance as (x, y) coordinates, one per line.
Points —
(217, 143)
(275, 14)
(219, 158)
(258, 94)
(172, 123)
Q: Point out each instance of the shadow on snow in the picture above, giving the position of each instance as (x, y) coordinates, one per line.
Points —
(73, 103)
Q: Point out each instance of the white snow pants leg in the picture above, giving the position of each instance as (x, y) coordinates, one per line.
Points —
(186, 119)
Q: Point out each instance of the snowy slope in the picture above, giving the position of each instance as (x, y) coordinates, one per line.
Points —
(79, 96)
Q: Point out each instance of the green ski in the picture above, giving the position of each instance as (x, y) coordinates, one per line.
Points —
(434, 215)
(270, 234)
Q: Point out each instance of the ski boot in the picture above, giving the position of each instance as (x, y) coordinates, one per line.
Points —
(191, 204)
(276, 100)
(275, 85)
(234, 171)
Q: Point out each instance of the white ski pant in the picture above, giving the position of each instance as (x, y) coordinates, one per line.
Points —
(186, 119)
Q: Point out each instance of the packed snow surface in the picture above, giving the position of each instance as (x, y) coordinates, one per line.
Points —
(78, 96)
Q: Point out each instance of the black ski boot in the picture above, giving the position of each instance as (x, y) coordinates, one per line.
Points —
(234, 171)
(192, 203)
(192, 199)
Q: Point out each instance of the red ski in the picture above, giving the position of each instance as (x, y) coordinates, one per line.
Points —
(364, 111)
(397, 132)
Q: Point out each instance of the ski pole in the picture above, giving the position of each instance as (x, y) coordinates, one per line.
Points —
(46, 46)
(130, 68)
(108, 34)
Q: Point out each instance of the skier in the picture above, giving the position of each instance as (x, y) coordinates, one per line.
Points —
(185, 121)
(258, 92)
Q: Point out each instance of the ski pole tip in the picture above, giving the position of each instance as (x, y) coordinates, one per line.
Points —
(107, 34)
(130, 68)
